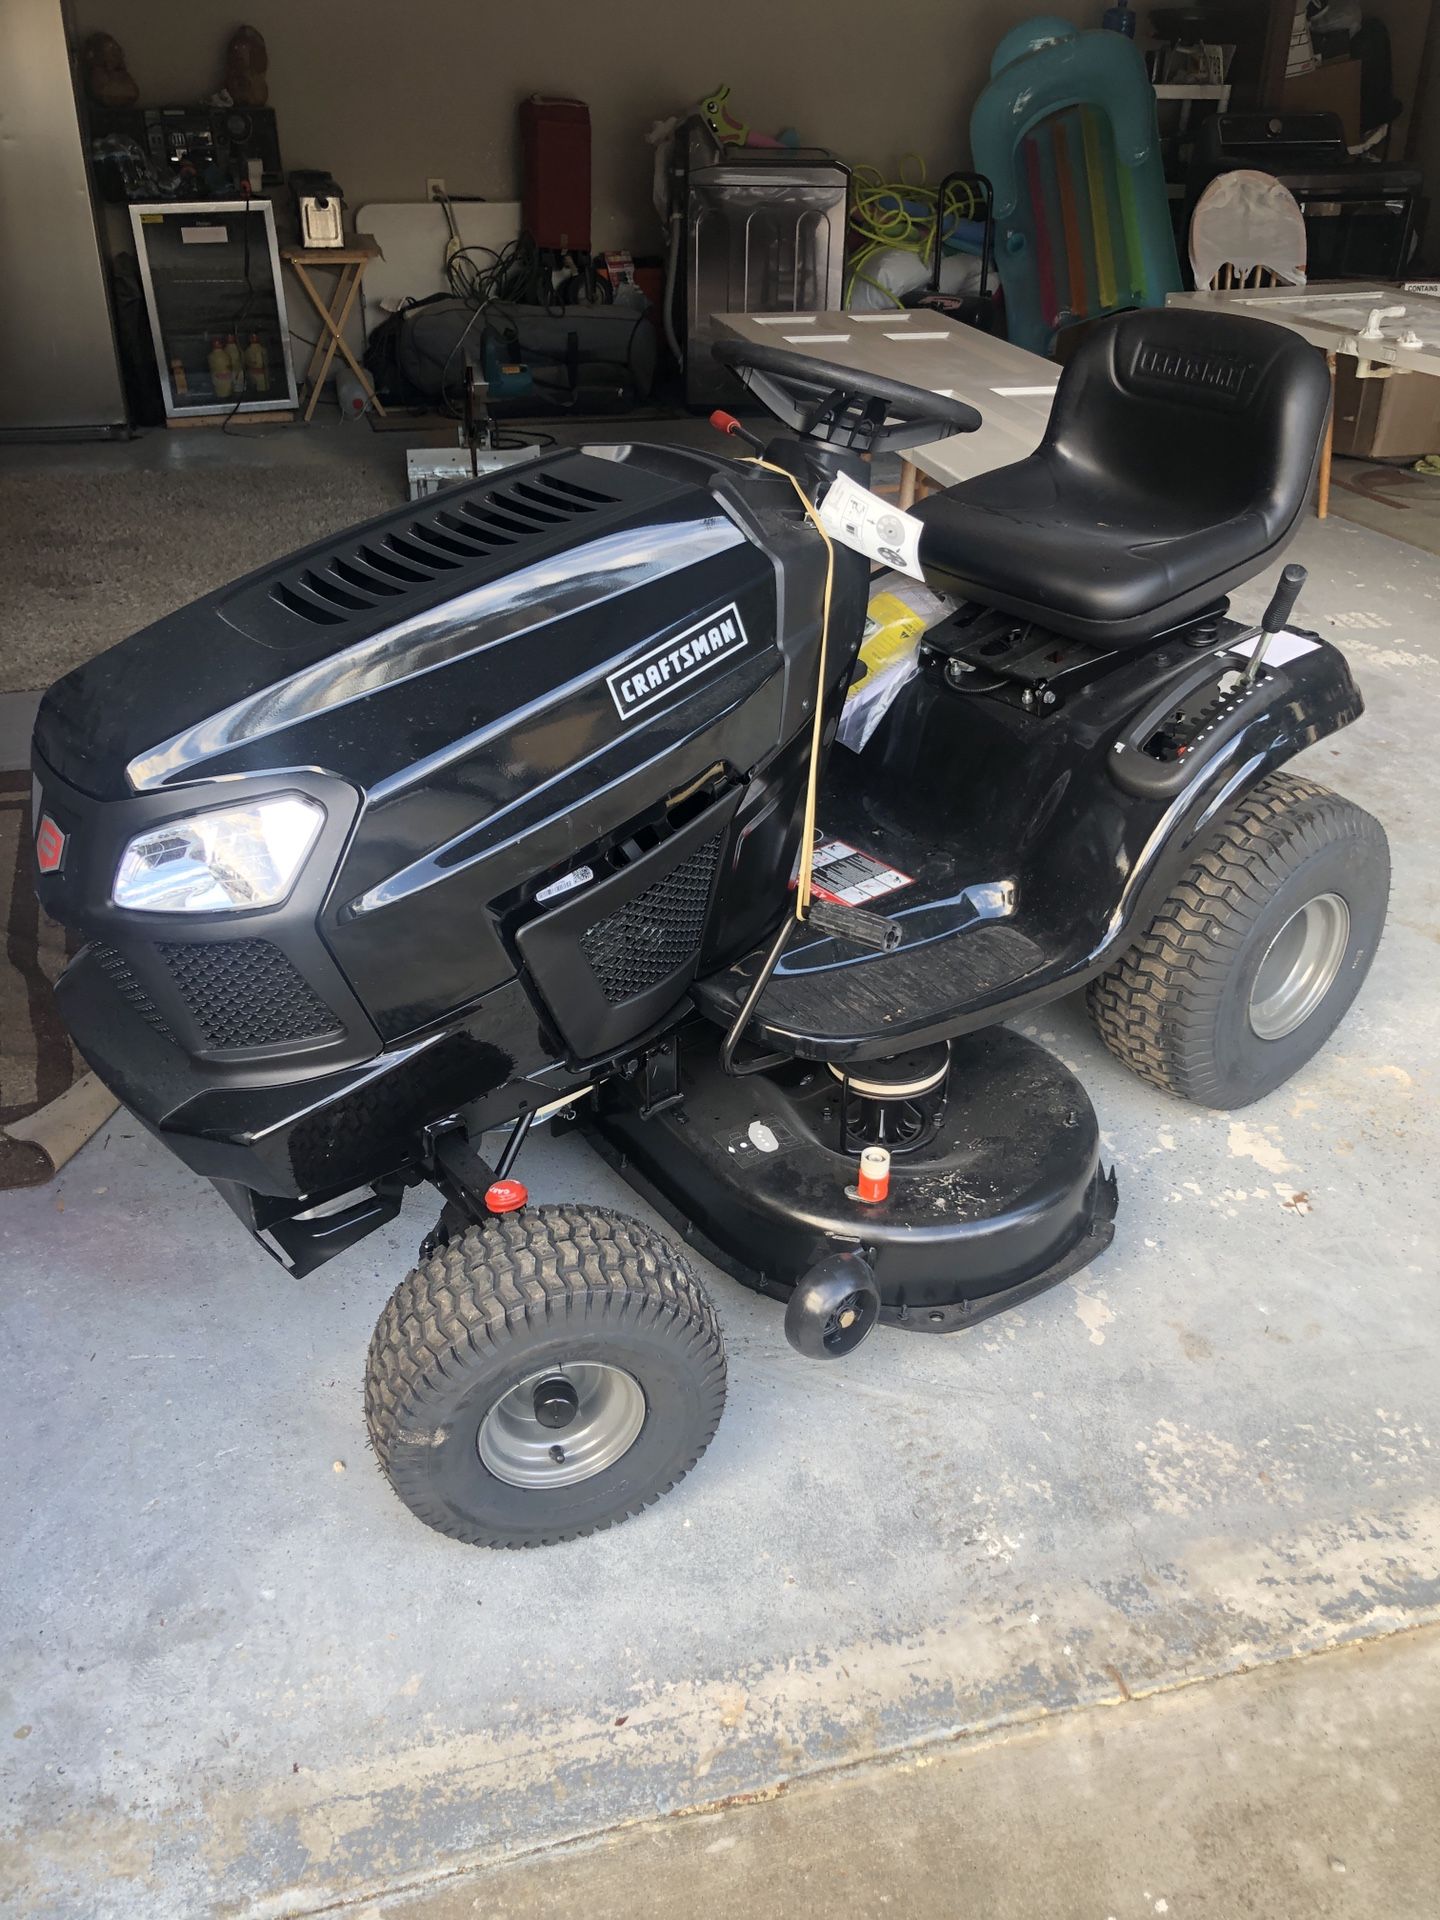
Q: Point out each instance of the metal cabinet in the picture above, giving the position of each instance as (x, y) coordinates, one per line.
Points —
(764, 232)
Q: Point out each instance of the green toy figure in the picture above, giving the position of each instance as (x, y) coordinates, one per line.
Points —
(723, 124)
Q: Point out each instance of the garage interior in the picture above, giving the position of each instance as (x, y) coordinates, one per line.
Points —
(1119, 1602)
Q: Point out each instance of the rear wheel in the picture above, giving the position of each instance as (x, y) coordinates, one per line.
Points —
(1251, 963)
(543, 1376)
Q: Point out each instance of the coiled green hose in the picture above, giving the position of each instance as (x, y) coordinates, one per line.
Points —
(897, 214)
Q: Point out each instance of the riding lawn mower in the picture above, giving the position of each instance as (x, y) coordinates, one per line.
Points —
(522, 803)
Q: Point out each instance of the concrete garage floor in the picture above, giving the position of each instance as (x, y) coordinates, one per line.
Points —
(1302, 1789)
(243, 1681)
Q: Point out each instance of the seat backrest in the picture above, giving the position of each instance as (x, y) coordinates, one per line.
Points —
(1215, 413)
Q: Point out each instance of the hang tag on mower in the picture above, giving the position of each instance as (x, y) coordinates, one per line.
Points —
(860, 519)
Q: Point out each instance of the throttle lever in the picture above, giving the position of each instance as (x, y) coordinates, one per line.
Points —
(1276, 615)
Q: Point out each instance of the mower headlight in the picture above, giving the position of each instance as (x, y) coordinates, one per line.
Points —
(220, 861)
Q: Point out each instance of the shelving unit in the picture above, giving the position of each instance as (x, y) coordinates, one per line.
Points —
(1220, 95)
(1187, 98)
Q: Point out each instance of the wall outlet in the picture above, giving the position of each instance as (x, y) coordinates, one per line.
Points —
(434, 189)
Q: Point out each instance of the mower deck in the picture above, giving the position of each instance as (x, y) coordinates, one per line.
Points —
(996, 1189)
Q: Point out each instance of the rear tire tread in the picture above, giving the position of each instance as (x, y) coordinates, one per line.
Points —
(1154, 1008)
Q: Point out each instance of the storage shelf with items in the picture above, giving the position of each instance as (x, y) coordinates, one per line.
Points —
(213, 292)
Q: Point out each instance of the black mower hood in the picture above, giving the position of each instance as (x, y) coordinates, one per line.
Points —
(264, 672)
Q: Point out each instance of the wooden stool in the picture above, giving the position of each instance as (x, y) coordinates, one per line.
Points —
(350, 264)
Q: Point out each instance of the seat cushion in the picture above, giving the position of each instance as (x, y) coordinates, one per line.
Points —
(1176, 464)
(1041, 541)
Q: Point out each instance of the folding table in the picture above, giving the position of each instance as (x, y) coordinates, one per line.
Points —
(349, 264)
(1336, 316)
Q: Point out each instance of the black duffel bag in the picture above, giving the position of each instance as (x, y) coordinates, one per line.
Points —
(417, 357)
(586, 357)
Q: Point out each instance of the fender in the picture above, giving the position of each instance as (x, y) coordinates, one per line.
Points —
(1294, 705)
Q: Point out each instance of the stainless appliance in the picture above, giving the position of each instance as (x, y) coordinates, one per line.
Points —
(59, 372)
(762, 231)
(211, 274)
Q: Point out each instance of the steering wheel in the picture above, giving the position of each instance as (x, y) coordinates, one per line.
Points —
(843, 406)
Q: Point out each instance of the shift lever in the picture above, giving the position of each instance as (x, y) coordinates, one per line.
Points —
(1276, 615)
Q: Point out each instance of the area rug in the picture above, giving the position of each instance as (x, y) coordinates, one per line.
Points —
(91, 554)
(49, 1105)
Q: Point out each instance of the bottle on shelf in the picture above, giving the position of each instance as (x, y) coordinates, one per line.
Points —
(1120, 19)
(179, 385)
(218, 361)
(257, 373)
(237, 365)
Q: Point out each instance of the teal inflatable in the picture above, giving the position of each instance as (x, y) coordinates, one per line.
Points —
(1066, 132)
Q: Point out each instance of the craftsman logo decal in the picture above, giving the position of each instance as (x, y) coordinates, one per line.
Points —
(49, 846)
(670, 665)
(1219, 372)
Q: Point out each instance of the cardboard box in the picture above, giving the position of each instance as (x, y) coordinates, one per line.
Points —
(1333, 87)
(1394, 419)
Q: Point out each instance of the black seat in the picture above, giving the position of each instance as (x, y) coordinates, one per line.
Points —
(1176, 464)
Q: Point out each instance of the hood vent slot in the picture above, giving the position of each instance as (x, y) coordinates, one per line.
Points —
(311, 610)
(432, 537)
(384, 562)
(494, 521)
(470, 530)
(422, 558)
(369, 582)
(325, 587)
(514, 500)
(487, 517)
(554, 484)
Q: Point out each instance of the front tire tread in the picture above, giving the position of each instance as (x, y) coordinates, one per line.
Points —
(516, 1273)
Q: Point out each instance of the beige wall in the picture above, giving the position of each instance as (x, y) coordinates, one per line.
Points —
(386, 94)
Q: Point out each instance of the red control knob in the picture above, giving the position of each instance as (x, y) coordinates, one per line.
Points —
(724, 422)
(506, 1196)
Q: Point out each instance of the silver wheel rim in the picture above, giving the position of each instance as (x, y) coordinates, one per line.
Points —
(522, 1452)
(1300, 966)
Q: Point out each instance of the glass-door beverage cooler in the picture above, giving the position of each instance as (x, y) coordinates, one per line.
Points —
(211, 272)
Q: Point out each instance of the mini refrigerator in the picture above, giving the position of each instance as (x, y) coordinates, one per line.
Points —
(211, 274)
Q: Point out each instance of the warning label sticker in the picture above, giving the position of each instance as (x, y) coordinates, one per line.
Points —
(760, 1136)
(853, 879)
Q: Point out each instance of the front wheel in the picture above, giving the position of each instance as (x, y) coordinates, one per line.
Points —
(1252, 962)
(543, 1376)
